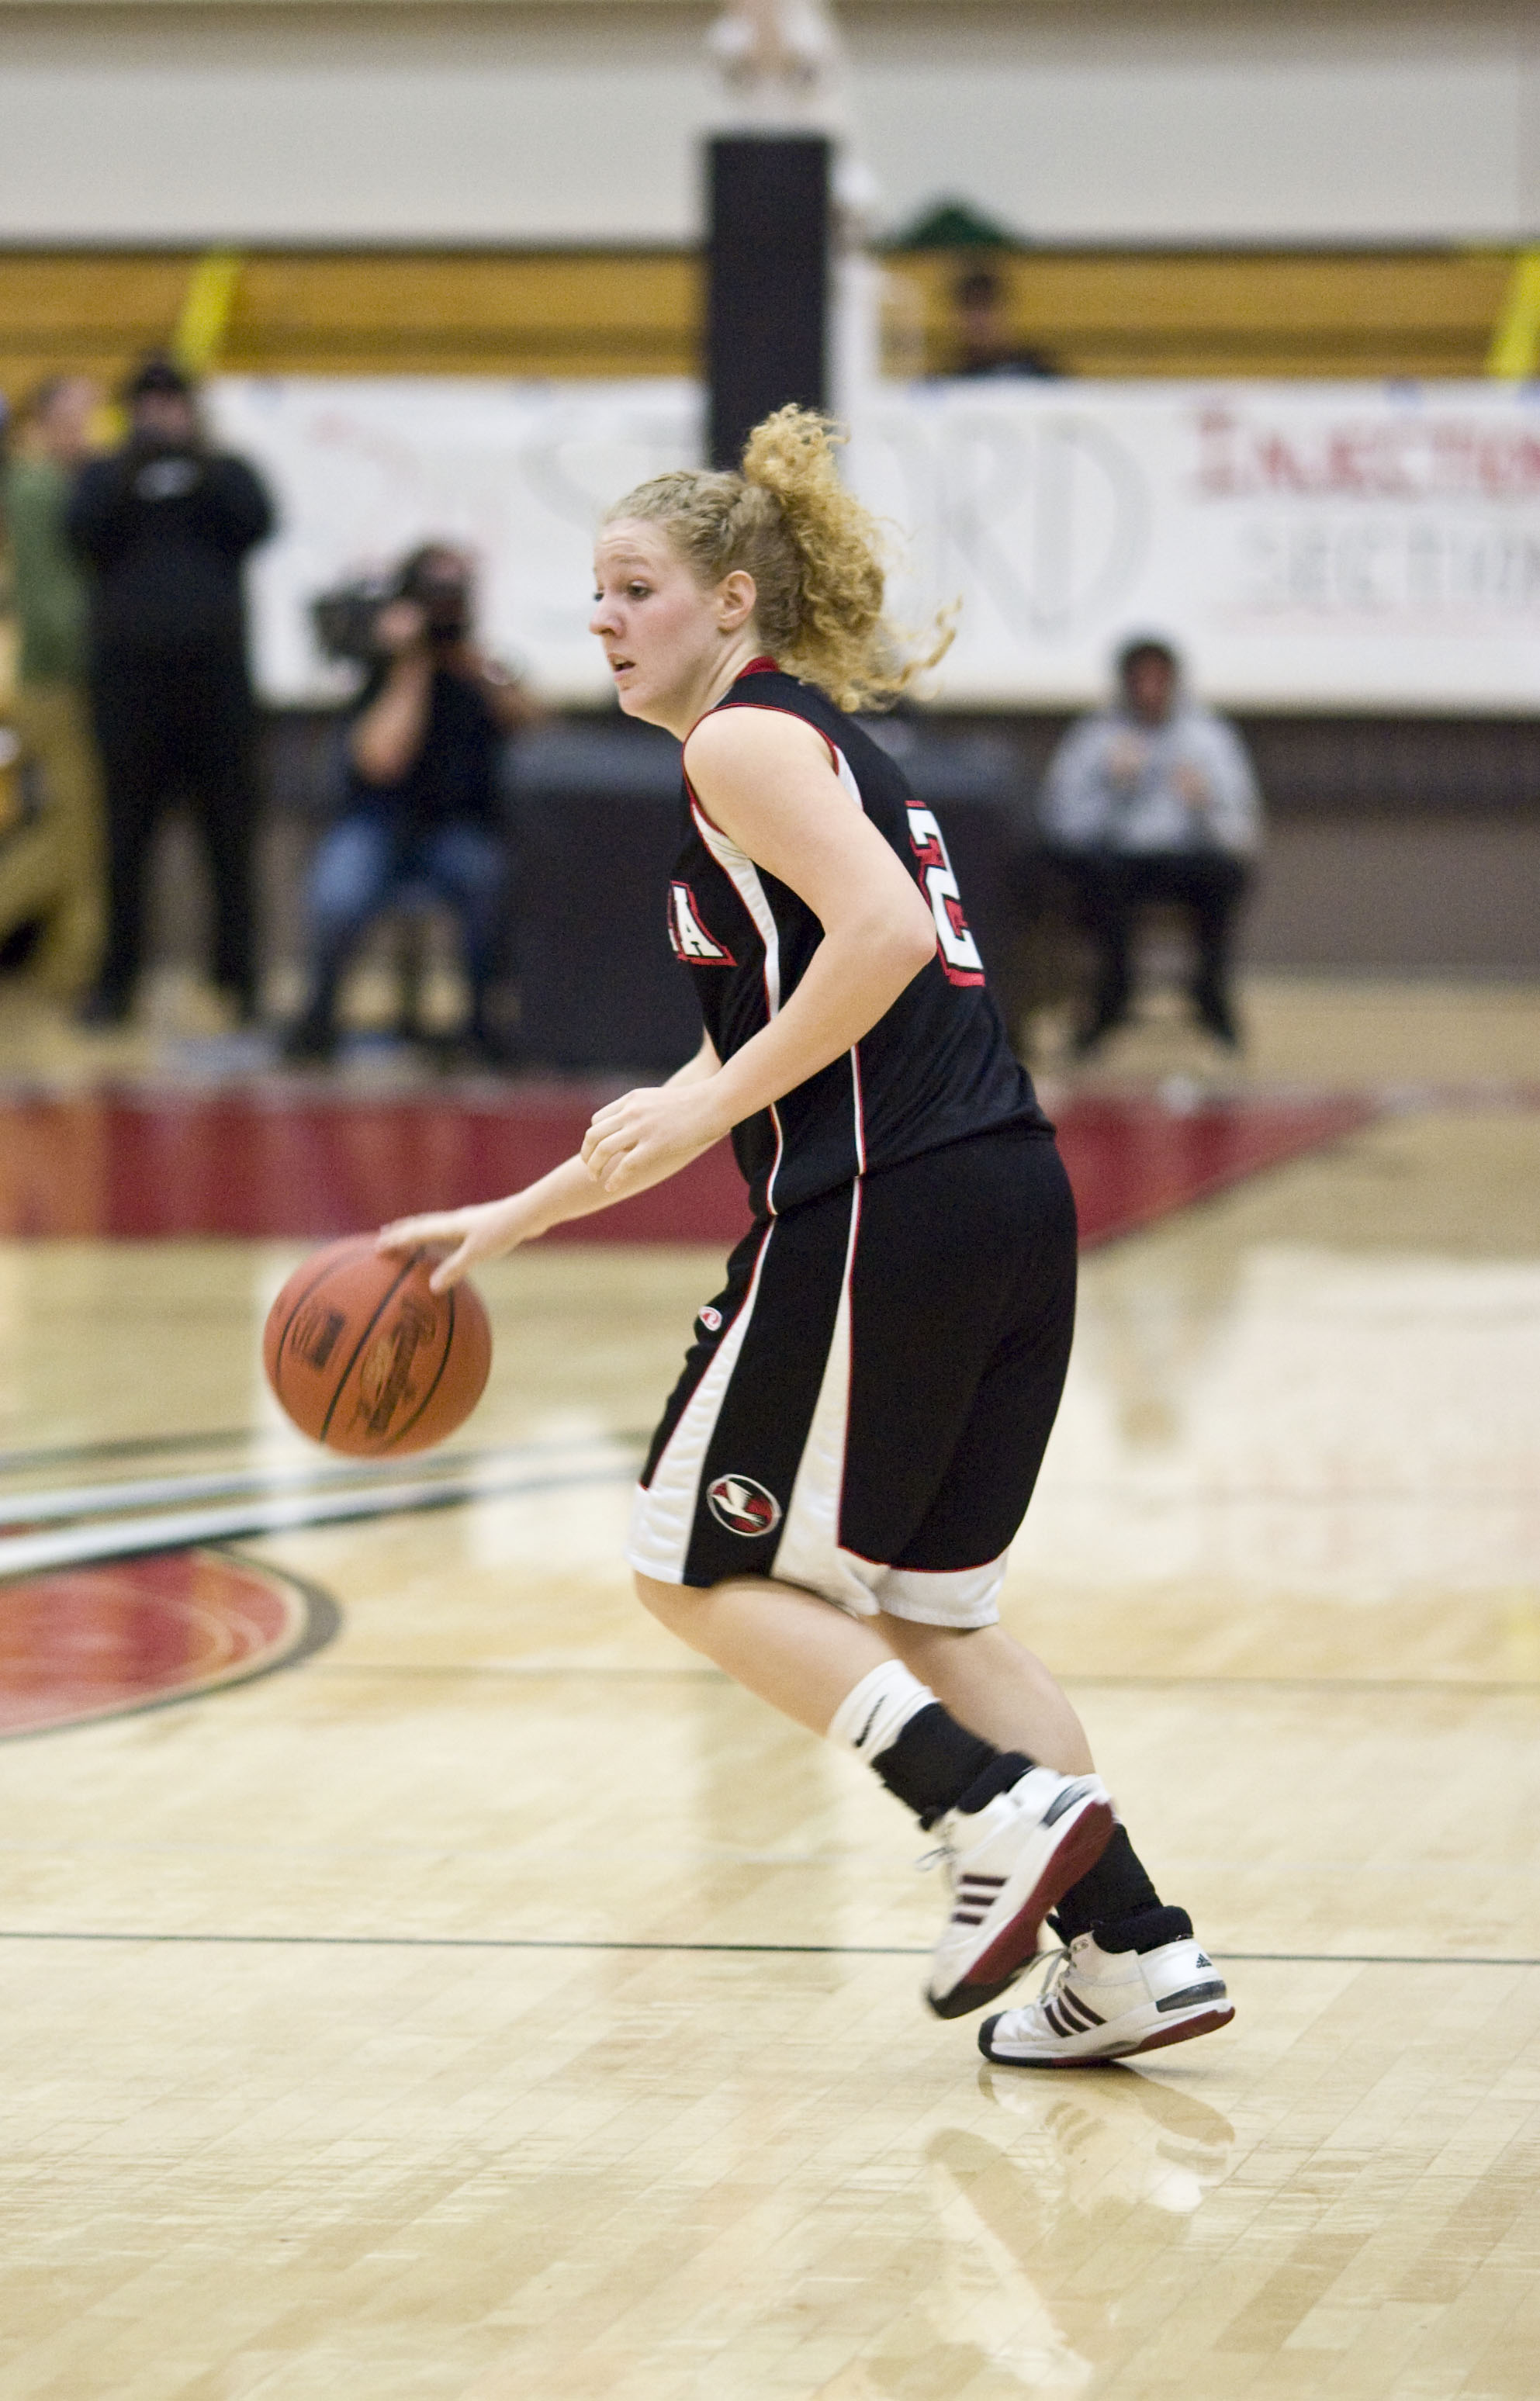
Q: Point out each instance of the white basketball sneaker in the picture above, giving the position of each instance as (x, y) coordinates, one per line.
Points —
(1100, 2004)
(1009, 1862)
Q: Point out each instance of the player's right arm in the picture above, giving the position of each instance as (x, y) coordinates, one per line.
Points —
(491, 1227)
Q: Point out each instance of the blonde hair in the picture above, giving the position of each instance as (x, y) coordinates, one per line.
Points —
(814, 550)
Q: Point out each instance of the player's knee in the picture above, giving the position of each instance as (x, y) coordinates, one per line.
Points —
(915, 1641)
(673, 1605)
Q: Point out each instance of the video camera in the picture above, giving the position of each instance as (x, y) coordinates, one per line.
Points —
(347, 618)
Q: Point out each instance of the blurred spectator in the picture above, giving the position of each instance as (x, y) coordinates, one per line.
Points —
(421, 808)
(165, 524)
(1154, 800)
(52, 442)
(984, 346)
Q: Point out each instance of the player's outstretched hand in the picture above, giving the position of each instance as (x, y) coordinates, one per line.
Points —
(648, 1134)
(483, 1232)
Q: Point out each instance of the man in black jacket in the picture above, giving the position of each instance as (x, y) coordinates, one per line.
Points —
(164, 526)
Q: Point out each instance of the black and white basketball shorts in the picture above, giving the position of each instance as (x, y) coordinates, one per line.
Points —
(866, 1405)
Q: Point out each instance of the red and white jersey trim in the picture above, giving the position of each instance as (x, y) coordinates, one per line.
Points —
(744, 876)
(859, 1107)
(809, 1552)
(664, 1512)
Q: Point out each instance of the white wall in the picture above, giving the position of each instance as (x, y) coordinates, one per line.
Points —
(434, 123)
(1121, 125)
(1104, 120)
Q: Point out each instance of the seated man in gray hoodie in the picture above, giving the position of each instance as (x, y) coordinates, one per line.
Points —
(1153, 800)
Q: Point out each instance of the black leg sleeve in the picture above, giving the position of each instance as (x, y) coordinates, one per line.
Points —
(219, 750)
(134, 785)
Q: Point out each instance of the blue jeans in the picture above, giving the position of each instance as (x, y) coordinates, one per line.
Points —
(363, 867)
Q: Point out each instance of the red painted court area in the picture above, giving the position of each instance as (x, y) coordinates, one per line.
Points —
(94, 1642)
(100, 1638)
(270, 1166)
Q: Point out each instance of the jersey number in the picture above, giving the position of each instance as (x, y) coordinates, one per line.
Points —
(959, 951)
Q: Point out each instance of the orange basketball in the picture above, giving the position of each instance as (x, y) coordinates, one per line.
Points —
(365, 1359)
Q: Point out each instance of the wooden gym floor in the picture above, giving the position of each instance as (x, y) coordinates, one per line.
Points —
(493, 2004)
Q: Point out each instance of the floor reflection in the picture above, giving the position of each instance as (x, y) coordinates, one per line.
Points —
(1280, 1416)
(1020, 2302)
(1147, 1331)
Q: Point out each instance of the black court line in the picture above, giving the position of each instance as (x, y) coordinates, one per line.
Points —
(15, 1462)
(1374, 1959)
(733, 1949)
(1292, 1496)
(511, 1669)
(1310, 1683)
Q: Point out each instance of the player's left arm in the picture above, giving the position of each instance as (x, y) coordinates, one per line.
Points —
(488, 1230)
(765, 778)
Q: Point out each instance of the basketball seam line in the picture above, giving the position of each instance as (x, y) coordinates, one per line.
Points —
(438, 1376)
(379, 1311)
(299, 1302)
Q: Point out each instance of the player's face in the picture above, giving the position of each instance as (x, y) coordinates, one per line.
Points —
(660, 628)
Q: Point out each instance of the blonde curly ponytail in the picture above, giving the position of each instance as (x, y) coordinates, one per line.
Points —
(814, 550)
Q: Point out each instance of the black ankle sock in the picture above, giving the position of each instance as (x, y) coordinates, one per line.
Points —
(1116, 1888)
(1005, 1769)
(1147, 1931)
(935, 1764)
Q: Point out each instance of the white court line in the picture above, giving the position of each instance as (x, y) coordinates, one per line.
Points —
(61, 1503)
(131, 1537)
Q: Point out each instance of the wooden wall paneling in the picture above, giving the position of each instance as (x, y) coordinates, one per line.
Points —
(1201, 313)
(561, 312)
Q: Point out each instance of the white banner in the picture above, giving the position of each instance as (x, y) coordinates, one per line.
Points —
(1338, 546)
(365, 468)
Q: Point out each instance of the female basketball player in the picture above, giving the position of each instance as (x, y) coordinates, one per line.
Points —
(829, 1497)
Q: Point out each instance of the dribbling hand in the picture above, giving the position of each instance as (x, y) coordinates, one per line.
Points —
(485, 1231)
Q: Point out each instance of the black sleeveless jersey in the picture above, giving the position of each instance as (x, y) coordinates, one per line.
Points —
(935, 1069)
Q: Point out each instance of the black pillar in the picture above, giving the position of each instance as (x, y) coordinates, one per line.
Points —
(767, 288)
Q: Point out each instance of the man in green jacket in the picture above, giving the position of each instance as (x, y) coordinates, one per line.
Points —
(64, 868)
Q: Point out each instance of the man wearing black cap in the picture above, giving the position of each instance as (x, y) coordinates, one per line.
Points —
(164, 526)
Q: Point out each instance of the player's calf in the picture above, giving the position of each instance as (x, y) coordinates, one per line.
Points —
(1016, 1836)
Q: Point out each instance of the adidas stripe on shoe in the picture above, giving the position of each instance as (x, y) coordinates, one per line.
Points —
(1100, 2004)
(1009, 1862)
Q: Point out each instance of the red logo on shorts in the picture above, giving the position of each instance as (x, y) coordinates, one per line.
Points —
(742, 1506)
(711, 1319)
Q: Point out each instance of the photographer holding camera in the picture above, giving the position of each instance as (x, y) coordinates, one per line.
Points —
(421, 805)
(163, 527)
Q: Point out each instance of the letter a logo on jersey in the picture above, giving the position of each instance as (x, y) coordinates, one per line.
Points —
(691, 940)
(742, 1506)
